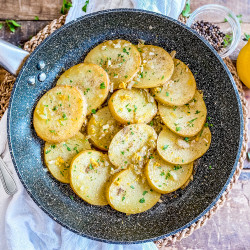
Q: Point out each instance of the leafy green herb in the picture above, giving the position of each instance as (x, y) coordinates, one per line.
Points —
(151, 157)
(53, 146)
(132, 187)
(125, 51)
(75, 148)
(144, 192)
(126, 76)
(65, 7)
(151, 123)
(178, 128)
(142, 200)
(186, 139)
(93, 111)
(55, 108)
(228, 39)
(190, 123)
(12, 25)
(64, 116)
(102, 85)
(135, 108)
(247, 37)
(47, 151)
(162, 77)
(84, 8)
(36, 18)
(68, 148)
(71, 197)
(177, 167)
(210, 167)
(61, 173)
(197, 112)
(239, 17)
(1, 26)
(122, 152)
(52, 131)
(129, 110)
(186, 11)
(167, 94)
(162, 173)
(87, 90)
(123, 198)
(132, 133)
(165, 147)
(168, 175)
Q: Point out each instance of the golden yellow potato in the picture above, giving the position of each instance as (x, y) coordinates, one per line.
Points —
(182, 150)
(132, 106)
(102, 127)
(156, 69)
(164, 177)
(129, 194)
(59, 114)
(89, 173)
(186, 120)
(58, 156)
(180, 89)
(91, 79)
(132, 146)
(119, 58)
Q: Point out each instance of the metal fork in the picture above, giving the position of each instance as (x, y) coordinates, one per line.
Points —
(7, 179)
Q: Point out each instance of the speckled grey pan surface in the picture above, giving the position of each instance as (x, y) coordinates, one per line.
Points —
(68, 46)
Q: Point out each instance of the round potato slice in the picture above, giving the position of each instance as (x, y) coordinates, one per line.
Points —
(89, 173)
(156, 69)
(132, 146)
(132, 106)
(119, 58)
(59, 114)
(128, 194)
(91, 79)
(178, 150)
(102, 127)
(164, 177)
(186, 120)
(180, 89)
(58, 156)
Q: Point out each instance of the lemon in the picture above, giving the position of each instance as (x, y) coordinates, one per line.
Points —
(243, 64)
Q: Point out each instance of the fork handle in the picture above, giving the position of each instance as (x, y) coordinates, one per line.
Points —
(7, 179)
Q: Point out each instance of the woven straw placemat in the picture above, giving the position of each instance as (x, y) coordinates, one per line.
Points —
(5, 91)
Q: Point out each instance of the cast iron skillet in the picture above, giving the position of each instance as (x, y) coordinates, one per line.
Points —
(67, 47)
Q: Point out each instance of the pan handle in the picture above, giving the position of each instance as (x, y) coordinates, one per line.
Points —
(12, 57)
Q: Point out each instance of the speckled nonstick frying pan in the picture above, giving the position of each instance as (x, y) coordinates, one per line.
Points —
(67, 47)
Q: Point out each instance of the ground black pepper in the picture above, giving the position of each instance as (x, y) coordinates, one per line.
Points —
(211, 32)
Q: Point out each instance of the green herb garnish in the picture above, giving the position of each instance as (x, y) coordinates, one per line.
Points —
(84, 8)
(186, 11)
(12, 25)
(165, 147)
(142, 200)
(102, 85)
(65, 7)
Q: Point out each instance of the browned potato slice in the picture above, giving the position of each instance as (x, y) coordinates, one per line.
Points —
(59, 114)
(102, 127)
(58, 156)
(91, 79)
(132, 146)
(180, 89)
(178, 150)
(89, 173)
(156, 69)
(119, 58)
(164, 177)
(186, 120)
(132, 106)
(128, 194)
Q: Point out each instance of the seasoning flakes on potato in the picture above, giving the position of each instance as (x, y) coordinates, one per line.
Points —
(132, 146)
(156, 69)
(186, 120)
(164, 177)
(119, 58)
(59, 114)
(180, 89)
(182, 150)
(102, 127)
(89, 173)
(58, 156)
(130, 194)
(132, 106)
(91, 79)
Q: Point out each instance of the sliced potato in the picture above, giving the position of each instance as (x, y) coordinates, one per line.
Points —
(59, 114)
(129, 194)
(119, 58)
(58, 156)
(102, 127)
(156, 69)
(180, 89)
(91, 79)
(132, 106)
(132, 146)
(164, 177)
(186, 120)
(179, 150)
(89, 173)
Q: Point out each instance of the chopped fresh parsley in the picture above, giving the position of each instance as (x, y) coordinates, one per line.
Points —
(71, 197)
(162, 173)
(122, 152)
(186, 139)
(64, 116)
(144, 192)
(167, 94)
(84, 8)
(93, 111)
(36, 18)
(125, 51)
(178, 128)
(53, 146)
(102, 85)
(65, 7)
(68, 148)
(47, 151)
(197, 112)
(142, 200)
(177, 167)
(247, 37)
(165, 147)
(132, 187)
(12, 25)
